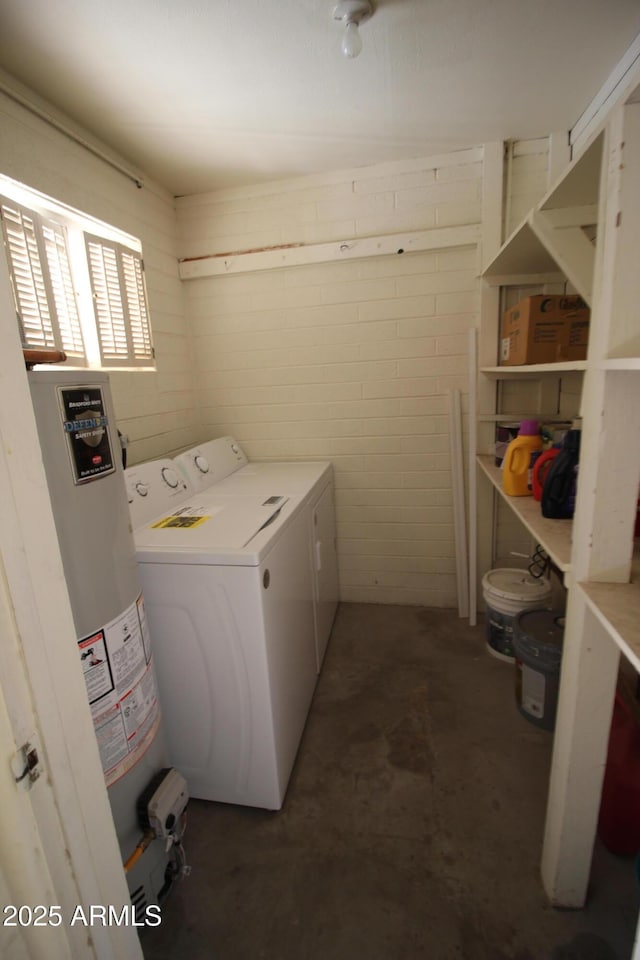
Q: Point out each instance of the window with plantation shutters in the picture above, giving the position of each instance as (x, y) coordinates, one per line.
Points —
(40, 271)
(78, 283)
(120, 304)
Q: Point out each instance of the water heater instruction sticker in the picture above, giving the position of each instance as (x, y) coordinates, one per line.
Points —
(118, 672)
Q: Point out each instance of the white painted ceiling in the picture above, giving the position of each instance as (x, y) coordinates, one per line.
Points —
(204, 94)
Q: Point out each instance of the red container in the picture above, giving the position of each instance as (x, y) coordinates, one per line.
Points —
(619, 820)
(540, 468)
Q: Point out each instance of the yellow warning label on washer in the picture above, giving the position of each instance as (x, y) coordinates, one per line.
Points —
(179, 521)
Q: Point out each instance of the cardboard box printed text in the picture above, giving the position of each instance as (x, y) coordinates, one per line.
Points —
(545, 329)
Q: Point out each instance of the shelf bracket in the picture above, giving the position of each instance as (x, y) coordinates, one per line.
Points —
(570, 248)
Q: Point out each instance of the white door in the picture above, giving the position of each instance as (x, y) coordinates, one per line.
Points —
(25, 880)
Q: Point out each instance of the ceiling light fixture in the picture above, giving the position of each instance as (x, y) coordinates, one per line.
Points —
(352, 13)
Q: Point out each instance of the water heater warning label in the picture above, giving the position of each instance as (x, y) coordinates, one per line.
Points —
(95, 663)
(118, 672)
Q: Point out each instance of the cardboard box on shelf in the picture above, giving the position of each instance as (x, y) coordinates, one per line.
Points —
(545, 329)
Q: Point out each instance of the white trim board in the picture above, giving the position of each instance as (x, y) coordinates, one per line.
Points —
(617, 87)
(294, 255)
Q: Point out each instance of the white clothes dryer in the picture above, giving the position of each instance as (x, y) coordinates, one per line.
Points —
(228, 595)
(222, 463)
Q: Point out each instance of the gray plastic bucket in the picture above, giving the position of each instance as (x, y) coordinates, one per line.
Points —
(537, 640)
(507, 591)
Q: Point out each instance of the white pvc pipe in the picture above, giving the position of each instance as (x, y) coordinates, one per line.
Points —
(473, 477)
(459, 513)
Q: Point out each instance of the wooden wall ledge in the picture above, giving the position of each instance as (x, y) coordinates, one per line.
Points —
(295, 255)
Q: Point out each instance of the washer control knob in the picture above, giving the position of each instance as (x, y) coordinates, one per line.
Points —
(201, 463)
(170, 477)
(142, 488)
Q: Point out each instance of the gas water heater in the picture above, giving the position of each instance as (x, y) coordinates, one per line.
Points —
(83, 463)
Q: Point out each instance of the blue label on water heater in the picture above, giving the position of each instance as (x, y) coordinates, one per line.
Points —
(72, 426)
(85, 424)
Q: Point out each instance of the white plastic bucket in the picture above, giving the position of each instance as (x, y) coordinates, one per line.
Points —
(507, 592)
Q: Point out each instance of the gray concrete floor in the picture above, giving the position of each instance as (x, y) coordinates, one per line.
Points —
(412, 826)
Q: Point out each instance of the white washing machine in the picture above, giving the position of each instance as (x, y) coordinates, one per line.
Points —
(228, 594)
(222, 463)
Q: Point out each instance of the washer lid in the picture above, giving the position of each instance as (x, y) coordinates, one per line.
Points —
(209, 524)
(298, 478)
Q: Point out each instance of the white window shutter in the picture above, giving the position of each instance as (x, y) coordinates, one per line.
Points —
(137, 304)
(34, 317)
(41, 276)
(107, 300)
(122, 318)
(62, 288)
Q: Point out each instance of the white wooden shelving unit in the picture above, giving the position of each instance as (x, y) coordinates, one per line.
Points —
(584, 233)
(553, 535)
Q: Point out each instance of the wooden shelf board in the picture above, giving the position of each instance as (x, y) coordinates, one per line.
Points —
(617, 606)
(579, 185)
(522, 254)
(534, 370)
(554, 536)
(534, 249)
(527, 415)
(620, 363)
(524, 279)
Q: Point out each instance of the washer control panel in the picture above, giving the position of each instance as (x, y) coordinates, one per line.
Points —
(211, 462)
(153, 488)
(201, 463)
(171, 478)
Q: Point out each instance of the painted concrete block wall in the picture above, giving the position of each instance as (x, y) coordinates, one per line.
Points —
(347, 361)
(156, 410)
